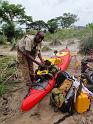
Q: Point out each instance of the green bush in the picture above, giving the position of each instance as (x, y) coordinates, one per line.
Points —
(3, 39)
(31, 32)
(86, 45)
(8, 70)
(2, 89)
(63, 34)
(18, 33)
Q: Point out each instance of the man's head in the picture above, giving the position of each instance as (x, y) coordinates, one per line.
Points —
(39, 37)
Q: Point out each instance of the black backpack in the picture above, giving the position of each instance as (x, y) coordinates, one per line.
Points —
(61, 76)
(68, 105)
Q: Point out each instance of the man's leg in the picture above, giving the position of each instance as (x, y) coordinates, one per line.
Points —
(31, 70)
(23, 63)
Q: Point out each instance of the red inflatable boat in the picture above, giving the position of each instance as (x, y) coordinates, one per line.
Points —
(39, 91)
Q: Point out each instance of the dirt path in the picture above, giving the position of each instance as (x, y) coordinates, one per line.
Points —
(42, 113)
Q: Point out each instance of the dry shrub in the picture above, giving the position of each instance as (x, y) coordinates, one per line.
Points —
(86, 46)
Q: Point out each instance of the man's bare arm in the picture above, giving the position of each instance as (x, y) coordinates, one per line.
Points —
(40, 57)
(27, 53)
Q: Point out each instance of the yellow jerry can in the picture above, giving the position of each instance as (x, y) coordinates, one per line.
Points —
(83, 103)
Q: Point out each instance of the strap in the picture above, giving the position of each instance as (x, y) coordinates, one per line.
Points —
(27, 36)
(80, 87)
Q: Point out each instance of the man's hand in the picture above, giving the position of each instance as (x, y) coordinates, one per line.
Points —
(42, 61)
(43, 65)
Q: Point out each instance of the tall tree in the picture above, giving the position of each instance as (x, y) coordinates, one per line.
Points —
(9, 31)
(52, 25)
(64, 21)
(11, 14)
(38, 25)
(67, 20)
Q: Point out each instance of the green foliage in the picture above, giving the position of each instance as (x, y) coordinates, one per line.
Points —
(52, 25)
(25, 20)
(11, 15)
(90, 26)
(2, 89)
(8, 70)
(66, 20)
(9, 31)
(31, 32)
(18, 33)
(63, 34)
(3, 39)
(10, 12)
(37, 25)
(86, 45)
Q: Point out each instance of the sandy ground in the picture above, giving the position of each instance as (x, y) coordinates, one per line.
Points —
(42, 113)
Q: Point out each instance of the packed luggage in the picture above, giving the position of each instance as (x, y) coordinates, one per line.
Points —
(70, 94)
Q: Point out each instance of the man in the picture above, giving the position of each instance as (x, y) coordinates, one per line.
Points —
(27, 50)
